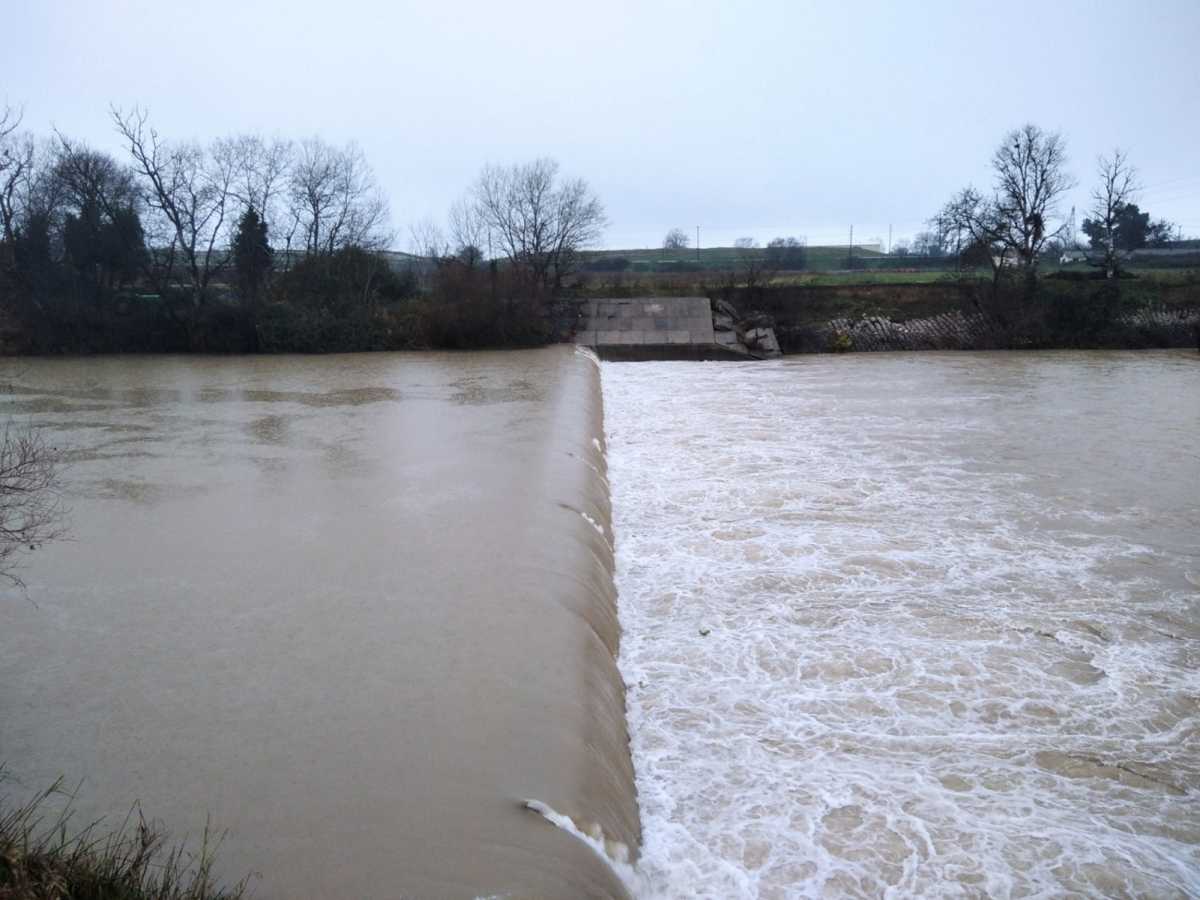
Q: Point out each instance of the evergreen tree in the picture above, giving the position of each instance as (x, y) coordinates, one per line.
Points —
(104, 254)
(252, 255)
(1131, 231)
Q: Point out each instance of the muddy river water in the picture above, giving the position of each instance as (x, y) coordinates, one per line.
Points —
(887, 625)
(354, 608)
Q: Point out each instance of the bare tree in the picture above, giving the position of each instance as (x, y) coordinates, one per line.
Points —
(786, 253)
(30, 511)
(1030, 167)
(538, 222)
(333, 199)
(430, 249)
(1118, 185)
(754, 267)
(10, 120)
(931, 242)
(1014, 223)
(16, 164)
(17, 155)
(261, 169)
(429, 241)
(973, 223)
(676, 239)
(88, 178)
(468, 232)
(190, 189)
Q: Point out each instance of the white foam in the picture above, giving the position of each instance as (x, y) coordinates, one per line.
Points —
(614, 855)
(876, 645)
(588, 353)
(596, 525)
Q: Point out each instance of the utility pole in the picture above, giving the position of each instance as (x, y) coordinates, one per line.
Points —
(697, 245)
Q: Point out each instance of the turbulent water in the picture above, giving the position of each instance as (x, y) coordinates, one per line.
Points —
(890, 625)
(357, 609)
(912, 625)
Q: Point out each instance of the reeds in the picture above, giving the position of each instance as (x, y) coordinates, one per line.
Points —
(44, 857)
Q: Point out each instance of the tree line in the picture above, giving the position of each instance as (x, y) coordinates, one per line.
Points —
(248, 242)
(1019, 221)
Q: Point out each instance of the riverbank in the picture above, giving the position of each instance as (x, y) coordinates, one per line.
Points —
(44, 855)
(810, 316)
(154, 325)
(1055, 313)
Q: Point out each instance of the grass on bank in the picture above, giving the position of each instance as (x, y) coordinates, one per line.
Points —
(43, 856)
(629, 284)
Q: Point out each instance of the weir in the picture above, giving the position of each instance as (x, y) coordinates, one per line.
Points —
(666, 328)
(357, 609)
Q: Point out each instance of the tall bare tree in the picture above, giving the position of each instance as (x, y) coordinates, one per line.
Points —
(16, 166)
(1116, 190)
(469, 232)
(190, 188)
(17, 155)
(261, 168)
(333, 199)
(1014, 222)
(539, 222)
(1030, 167)
(89, 178)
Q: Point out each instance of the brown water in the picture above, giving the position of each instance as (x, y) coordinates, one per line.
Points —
(354, 608)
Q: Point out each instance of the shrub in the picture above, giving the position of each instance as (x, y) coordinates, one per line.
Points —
(840, 342)
(471, 306)
(608, 264)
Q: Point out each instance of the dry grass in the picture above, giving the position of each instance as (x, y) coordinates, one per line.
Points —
(44, 857)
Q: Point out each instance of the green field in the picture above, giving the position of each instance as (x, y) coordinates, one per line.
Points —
(723, 258)
(867, 276)
(824, 266)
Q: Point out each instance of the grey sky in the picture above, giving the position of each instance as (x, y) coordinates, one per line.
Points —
(745, 118)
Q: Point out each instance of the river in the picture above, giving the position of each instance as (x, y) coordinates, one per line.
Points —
(355, 608)
(912, 624)
(874, 625)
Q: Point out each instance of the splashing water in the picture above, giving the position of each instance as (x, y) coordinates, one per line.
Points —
(921, 625)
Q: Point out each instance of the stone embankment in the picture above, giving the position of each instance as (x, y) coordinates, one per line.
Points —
(1152, 327)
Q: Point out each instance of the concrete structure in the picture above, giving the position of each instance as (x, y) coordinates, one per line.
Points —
(663, 328)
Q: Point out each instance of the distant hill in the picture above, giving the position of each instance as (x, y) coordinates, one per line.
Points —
(717, 258)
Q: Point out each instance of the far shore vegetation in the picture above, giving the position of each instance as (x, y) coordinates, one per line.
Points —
(256, 244)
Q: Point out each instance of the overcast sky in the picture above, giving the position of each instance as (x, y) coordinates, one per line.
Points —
(745, 118)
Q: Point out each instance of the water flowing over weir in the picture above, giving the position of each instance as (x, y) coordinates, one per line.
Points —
(358, 609)
(912, 625)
